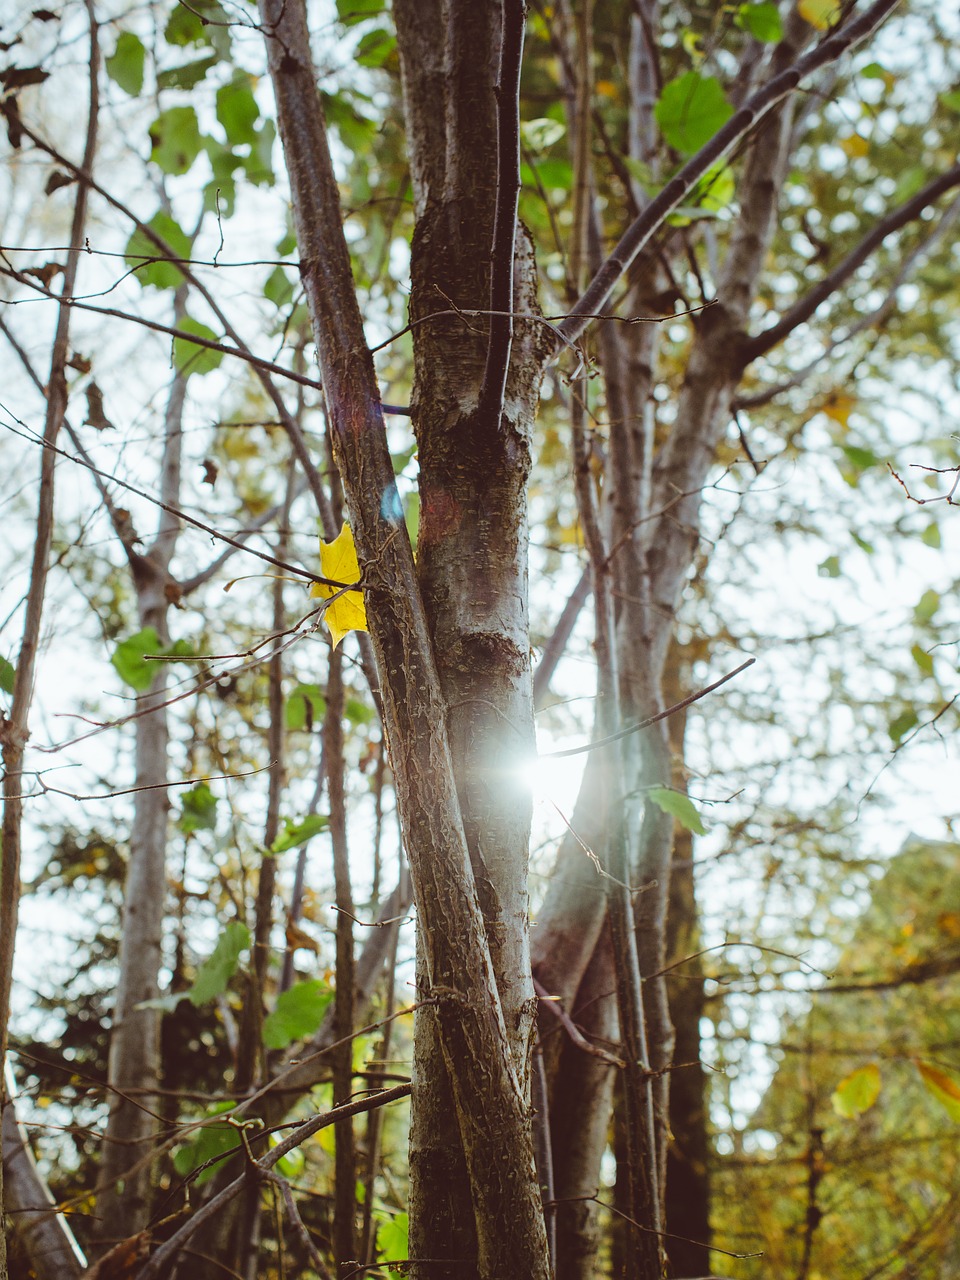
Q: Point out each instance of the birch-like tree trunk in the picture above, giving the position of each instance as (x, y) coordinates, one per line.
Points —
(123, 1198)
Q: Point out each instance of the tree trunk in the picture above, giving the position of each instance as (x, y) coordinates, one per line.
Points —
(471, 552)
(123, 1197)
(580, 1116)
(478, 1041)
(688, 1154)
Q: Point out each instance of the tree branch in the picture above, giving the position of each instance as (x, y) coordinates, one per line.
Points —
(490, 403)
(155, 1268)
(642, 229)
(874, 319)
(807, 305)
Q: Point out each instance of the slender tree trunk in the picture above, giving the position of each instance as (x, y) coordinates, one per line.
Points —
(124, 1189)
(14, 729)
(45, 1234)
(345, 1191)
(580, 1116)
(688, 1174)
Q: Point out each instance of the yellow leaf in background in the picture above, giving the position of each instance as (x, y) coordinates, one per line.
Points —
(855, 146)
(838, 406)
(857, 1092)
(944, 1086)
(819, 13)
(338, 560)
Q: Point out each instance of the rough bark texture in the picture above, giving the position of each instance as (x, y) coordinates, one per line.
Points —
(488, 1090)
(471, 553)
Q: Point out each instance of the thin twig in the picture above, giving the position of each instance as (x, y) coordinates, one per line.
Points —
(645, 724)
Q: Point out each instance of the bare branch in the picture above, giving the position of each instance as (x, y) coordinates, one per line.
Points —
(642, 229)
(807, 305)
(645, 724)
(875, 318)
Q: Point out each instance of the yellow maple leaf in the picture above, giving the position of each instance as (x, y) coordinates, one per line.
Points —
(338, 560)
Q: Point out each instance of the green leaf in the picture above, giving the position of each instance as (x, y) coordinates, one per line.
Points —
(211, 1141)
(238, 112)
(944, 1085)
(129, 659)
(678, 806)
(901, 725)
(189, 358)
(923, 659)
(931, 535)
(176, 139)
(555, 174)
(214, 974)
(761, 20)
(358, 712)
(305, 708)
(8, 674)
(198, 810)
(909, 182)
(350, 12)
(542, 133)
(862, 459)
(181, 649)
(857, 1092)
(162, 274)
(393, 1240)
(863, 544)
(258, 165)
(297, 833)
(278, 288)
(356, 131)
(188, 75)
(820, 13)
(716, 188)
(297, 1014)
(200, 22)
(690, 110)
(951, 100)
(125, 65)
(829, 568)
(926, 606)
(293, 1163)
(375, 48)
(221, 191)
